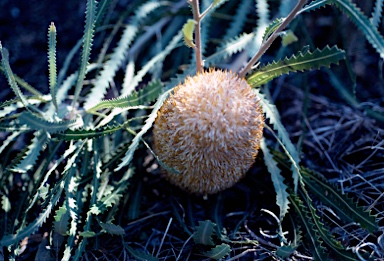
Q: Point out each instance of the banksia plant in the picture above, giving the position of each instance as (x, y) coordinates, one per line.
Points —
(209, 130)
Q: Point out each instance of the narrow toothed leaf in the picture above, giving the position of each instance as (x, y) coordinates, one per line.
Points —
(52, 62)
(313, 240)
(8, 240)
(37, 123)
(272, 114)
(218, 252)
(345, 207)
(38, 143)
(277, 179)
(229, 48)
(11, 78)
(362, 22)
(315, 5)
(89, 29)
(119, 54)
(140, 255)
(204, 233)
(112, 228)
(145, 95)
(129, 87)
(377, 13)
(272, 27)
(299, 62)
(87, 133)
(148, 124)
(239, 19)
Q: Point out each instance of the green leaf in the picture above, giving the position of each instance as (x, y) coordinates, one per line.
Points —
(129, 87)
(28, 161)
(218, 252)
(325, 234)
(8, 240)
(188, 29)
(148, 124)
(272, 27)
(62, 221)
(145, 95)
(204, 232)
(314, 241)
(362, 22)
(11, 78)
(52, 62)
(230, 47)
(285, 251)
(288, 37)
(345, 207)
(239, 19)
(90, 20)
(87, 234)
(88, 133)
(139, 255)
(112, 229)
(299, 62)
(272, 114)
(277, 179)
(37, 123)
(315, 5)
(377, 13)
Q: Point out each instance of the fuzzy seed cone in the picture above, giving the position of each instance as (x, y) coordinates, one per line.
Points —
(209, 130)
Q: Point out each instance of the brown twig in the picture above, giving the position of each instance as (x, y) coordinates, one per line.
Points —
(264, 47)
(197, 17)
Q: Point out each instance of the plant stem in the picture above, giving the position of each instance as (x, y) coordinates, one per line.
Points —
(264, 47)
(197, 17)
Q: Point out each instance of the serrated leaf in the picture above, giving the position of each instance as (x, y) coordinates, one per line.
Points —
(148, 123)
(87, 234)
(8, 240)
(277, 179)
(89, 28)
(239, 19)
(345, 207)
(139, 255)
(362, 22)
(129, 87)
(52, 62)
(11, 78)
(112, 228)
(145, 95)
(325, 234)
(62, 221)
(299, 62)
(314, 241)
(88, 133)
(285, 251)
(230, 47)
(315, 5)
(377, 13)
(37, 123)
(272, 27)
(218, 252)
(204, 232)
(110, 68)
(272, 114)
(28, 161)
(188, 29)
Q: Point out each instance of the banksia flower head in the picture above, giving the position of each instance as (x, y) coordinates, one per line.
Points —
(209, 130)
